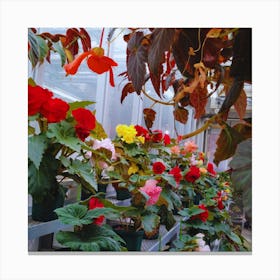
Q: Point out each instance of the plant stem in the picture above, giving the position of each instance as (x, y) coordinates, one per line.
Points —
(157, 101)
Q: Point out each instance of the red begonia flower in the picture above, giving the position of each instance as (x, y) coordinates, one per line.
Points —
(54, 110)
(166, 139)
(219, 200)
(97, 62)
(37, 96)
(141, 131)
(210, 168)
(157, 136)
(96, 203)
(176, 172)
(193, 174)
(85, 122)
(158, 167)
(202, 216)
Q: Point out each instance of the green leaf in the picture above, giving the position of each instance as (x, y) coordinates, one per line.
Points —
(241, 175)
(79, 104)
(92, 238)
(82, 169)
(37, 145)
(42, 180)
(64, 133)
(109, 213)
(73, 214)
(59, 49)
(150, 222)
(234, 237)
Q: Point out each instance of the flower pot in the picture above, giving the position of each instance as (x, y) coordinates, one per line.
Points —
(132, 238)
(122, 193)
(43, 211)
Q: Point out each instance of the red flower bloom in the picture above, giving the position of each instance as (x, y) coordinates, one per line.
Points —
(141, 131)
(95, 203)
(97, 62)
(210, 168)
(193, 174)
(219, 200)
(202, 216)
(158, 167)
(166, 139)
(157, 136)
(85, 122)
(55, 110)
(37, 96)
(176, 172)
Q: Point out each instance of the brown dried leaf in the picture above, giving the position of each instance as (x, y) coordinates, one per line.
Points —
(227, 143)
(181, 115)
(127, 89)
(241, 104)
(198, 100)
(149, 117)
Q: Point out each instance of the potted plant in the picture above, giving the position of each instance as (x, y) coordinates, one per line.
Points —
(57, 133)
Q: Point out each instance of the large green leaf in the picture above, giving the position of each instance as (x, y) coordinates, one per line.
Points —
(37, 145)
(42, 180)
(150, 221)
(64, 133)
(82, 169)
(92, 238)
(241, 175)
(74, 215)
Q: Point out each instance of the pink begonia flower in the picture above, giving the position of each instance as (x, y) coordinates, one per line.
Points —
(190, 147)
(152, 190)
(175, 150)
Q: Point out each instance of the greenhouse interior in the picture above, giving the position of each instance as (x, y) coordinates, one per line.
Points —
(140, 140)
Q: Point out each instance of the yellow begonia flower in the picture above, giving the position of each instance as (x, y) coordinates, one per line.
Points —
(132, 169)
(127, 133)
(227, 190)
(141, 139)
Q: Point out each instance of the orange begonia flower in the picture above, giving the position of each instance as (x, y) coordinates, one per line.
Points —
(97, 62)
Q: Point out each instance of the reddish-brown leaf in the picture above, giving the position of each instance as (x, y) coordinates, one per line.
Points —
(71, 42)
(161, 41)
(136, 61)
(211, 51)
(127, 89)
(227, 143)
(85, 39)
(240, 104)
(181, 115)
(198, 100)
(149, 117)
(244, 129)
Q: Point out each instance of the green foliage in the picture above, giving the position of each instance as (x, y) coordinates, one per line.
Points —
(150, 221)
(64, 134)
(42, 180)
(241, 165)
(37, 145)
(82, 169)
(78, 215)
(91, 238)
